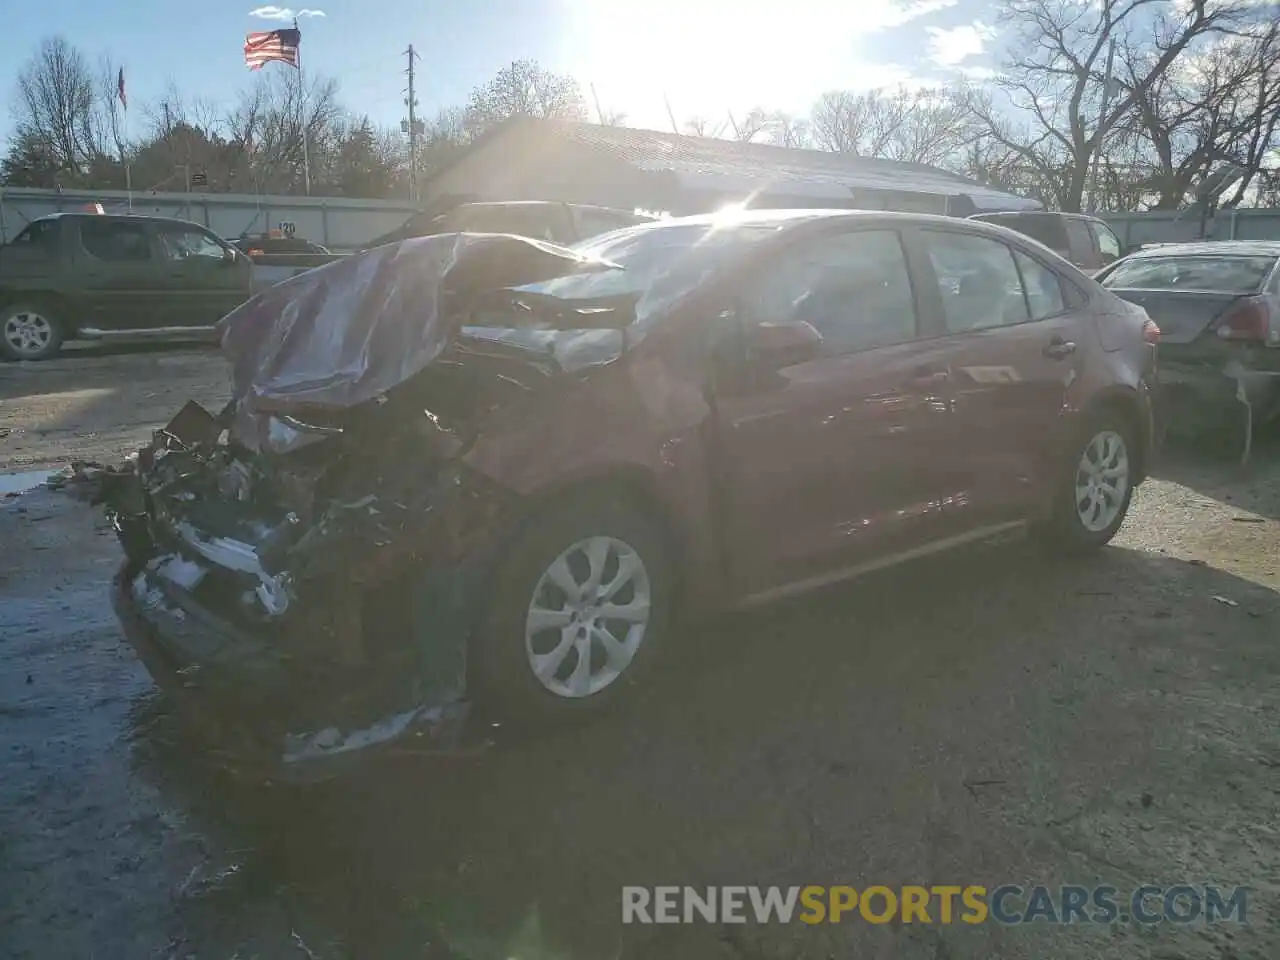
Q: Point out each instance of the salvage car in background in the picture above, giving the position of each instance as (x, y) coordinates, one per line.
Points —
(1217, 305)
(1078, 238)
(478, 467)
(88, 276)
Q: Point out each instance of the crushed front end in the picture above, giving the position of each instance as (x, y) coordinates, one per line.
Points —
(309, 606)
(300, 566)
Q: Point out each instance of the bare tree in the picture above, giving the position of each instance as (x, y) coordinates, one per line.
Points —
(266, 130)
(1057, 82)
(1214, 111)
(929, 126)
(700, 126)
(56, 103)
(524, 89)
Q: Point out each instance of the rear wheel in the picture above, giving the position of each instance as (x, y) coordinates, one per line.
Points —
(582, 607)
(30, 331)
(1096, 486)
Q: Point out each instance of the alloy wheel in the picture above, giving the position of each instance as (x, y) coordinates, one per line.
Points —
(27, 333)
(588, 616)
(1102, 480)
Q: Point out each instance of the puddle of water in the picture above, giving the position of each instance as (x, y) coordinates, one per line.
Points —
(22, 482)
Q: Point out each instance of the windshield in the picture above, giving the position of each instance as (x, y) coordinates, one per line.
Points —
(660, 265)
(1217, 274)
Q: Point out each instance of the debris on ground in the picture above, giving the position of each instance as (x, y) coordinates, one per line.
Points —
(1227, 600)
(87, 479)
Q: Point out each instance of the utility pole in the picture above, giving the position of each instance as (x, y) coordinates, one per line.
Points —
(412, 128)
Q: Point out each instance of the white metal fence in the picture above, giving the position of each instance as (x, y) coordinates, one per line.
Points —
(337, 223)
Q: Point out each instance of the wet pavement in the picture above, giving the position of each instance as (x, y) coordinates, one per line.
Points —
(982, 718)
(985, 717)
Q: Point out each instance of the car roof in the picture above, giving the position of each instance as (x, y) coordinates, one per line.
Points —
(1029, 214)
(131, 217)
(797, 217)
(1211, 248)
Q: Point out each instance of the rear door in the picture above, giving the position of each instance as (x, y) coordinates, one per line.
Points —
(119, 273)
(831, 462)
(1014, 346)
(201, 282)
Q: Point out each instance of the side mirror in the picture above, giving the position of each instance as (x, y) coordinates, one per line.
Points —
(782, 344)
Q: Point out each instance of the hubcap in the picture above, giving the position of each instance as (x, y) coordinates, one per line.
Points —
(27, 332)
(1102, 480)
(588, 616)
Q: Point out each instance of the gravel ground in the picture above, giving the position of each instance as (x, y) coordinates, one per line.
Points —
(985, 717)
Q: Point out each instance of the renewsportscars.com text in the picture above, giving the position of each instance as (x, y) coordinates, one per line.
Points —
(1007, 904)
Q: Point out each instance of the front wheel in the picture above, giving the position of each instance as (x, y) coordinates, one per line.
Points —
(29, 331)
(1096, 486)
(581, 609)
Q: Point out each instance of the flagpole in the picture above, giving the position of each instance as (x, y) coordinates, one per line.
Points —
(306, 153)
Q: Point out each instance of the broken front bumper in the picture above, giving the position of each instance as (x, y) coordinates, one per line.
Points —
(231, 685)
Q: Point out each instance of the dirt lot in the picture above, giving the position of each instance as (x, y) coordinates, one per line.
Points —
(981, 718)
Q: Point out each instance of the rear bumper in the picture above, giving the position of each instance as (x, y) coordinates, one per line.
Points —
(1197, 395)
(228, 684)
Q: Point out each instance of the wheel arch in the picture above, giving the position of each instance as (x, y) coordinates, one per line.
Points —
(1127, 403)
(55, 301)
(629, 484)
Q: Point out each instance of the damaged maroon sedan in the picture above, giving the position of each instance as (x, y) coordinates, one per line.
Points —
(480, 468)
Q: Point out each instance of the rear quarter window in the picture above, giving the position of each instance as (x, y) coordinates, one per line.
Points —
(1217, 274)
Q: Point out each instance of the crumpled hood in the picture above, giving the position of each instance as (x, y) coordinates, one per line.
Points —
(345, 333)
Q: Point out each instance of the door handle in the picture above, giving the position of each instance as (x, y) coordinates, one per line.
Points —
(1058, 349)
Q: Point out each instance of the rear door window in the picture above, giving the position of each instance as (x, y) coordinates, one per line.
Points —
(1045, 294)
(1217, 274)
(115, 241)
(978, 281)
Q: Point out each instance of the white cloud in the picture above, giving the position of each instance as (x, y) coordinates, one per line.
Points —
(283, 13)
(950, 47)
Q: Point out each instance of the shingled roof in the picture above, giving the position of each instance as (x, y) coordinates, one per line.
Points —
(701, 161)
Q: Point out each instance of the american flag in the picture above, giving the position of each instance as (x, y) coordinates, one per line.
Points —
(261, 48)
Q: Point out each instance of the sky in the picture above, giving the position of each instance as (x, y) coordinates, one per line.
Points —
(708, 57)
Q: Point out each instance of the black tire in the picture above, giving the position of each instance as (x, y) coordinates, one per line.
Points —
(49, 323)
(500, 672)
(1066, 531)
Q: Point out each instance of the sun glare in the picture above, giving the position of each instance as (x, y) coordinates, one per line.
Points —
(711, 57)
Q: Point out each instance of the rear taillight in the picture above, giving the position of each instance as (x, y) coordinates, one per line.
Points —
(1249, 319)
(1150, 332)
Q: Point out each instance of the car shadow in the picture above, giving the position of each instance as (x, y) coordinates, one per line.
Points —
(794, 745)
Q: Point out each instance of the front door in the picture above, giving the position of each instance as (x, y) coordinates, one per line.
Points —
(830, 463)
(202, 280)
(1013, 350)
